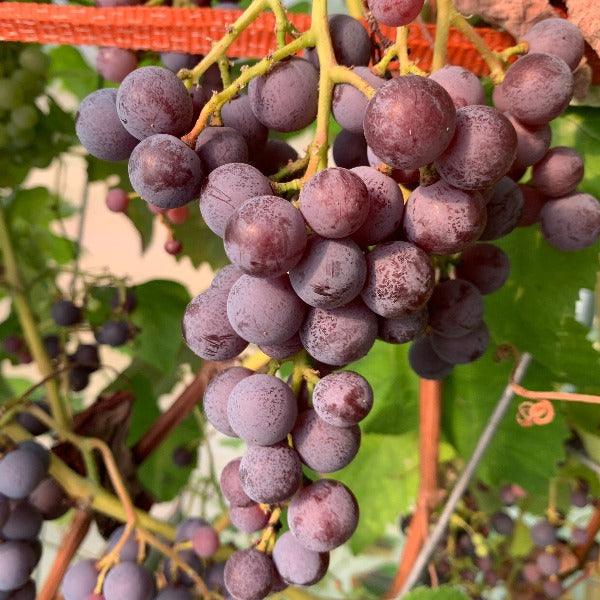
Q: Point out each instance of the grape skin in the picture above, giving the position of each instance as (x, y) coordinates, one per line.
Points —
(350, 150)
(441, 219)
(423, 123)
(24, 523)
(231, 485)
(113, 333)
(33, 425)
(464, 349)
(270, 474)
(262, 410)
(543, 534)
(386, 207)
(99, 129)
(177, 576)
(283, 350)
(334, 202)
(217, 146)
(174, 61)
(296, 564)
(533, 201)
(153, 100)
(265, 237)
(323, 515)
(559, 172)
(273, 156)
(486, 266)
(532, 142)
(502, 523)
(463, 86)
(400, 278)
(225, 189)
(285, 99)
(342, 399)
(21, 471)
(248, 519)
(224, 278)
(482, 150)
(323, 447)
(128, 580)
(27, 592)
(330, 274)
(187, 528)
(571, 223)
(404, 328)
(455, 308)
(217, 394)
(249, 574)
(205, 542)
(238, 115)
(425, 362)
(117, 200)
(350, 40)
(130, 550)
(338, 336)
(504, 210)
(115, 64)
(395, 13)
(547, 563)
(164, 171)
(531, 573)
(79, 580)
(264, 311)
(37, 449)
(537, 88)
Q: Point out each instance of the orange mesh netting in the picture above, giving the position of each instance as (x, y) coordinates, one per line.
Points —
(193, 30)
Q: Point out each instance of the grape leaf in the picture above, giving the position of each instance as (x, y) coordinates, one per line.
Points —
(443, 592)
(69, 67)
(143, 221)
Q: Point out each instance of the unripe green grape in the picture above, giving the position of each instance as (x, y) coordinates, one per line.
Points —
(11, 95)
(24, 117)
(33, 59)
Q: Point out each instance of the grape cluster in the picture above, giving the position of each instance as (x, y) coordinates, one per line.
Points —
(28, 496)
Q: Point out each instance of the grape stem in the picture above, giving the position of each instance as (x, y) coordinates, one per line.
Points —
(444, 17)
(520, 48)
(398, 49)
(290, 169)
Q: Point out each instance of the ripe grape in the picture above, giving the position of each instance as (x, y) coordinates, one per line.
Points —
(553, 588)
(164, 171)
(350, 40)
(464, 349)
(537, 88)
(65, 313)
(482, 150)
(113, 333)
(205, 542)
(531, 573)
(558, 37)
(559, 172)
(226, 189)
(543, 534)
(547, 563)
(323, 515)
(23, 523)
(187, 528)
(441, 219)
(338, 336)
(175, 61)
(386, 207)
(395, 13)
(115, 64)
(330, 274)
(410, 121)
(79, 580)
(404, 328)
(571, 223)
(249, 574)
(248, 519)
(225, 278)
(130, 550)
(4, 509)
(335, 202)
(285, 98)
(274, 155)
(217, 394)
(99, 129)
(33, 425)
(486, 266)
(533, 201)
(532, 142)
(12, 344)
(455, 308)
(86, 355)
(502, 523)
(153, 100)
(206, 328)
(270, 474)
(117, 200)
(323, 447)
(128, 580)
(173, 593)
(200, 95)
(37, 449)
(237, 114)
(231, 486)
(21, 471)
(343, 398)
(349, 104)
(296, 564)
(350, 150)
(283, 350)
(217, 146)
(400, 278)
(504, 209)
(463, 86)
(265, 236)
(262, 409)
(214, 577)
(27, 592)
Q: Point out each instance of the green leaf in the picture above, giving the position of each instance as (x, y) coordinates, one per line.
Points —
(520, 543)
(99, 170)
(68, 66)
(443, 592)
(142, 219)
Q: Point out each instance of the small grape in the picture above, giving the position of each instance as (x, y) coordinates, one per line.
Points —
(543, 534)
(24, 523)
(553, 588)
(502, 523)
(404, 328)
(531, 573)
(395, 13)
(559, 172)
(425, 362)
(130, 550)
(486, 266)
(205, 542)
(323, 515)
(249, 574)
(173, 247)
(79, 580)
(532, 142)
(65, 313)
(187, 528)
(33, 425)
(117, 200)
(464, 349)
(283, 350)
(237, 114)
(115, 64)
(248, 519)
(79, 378)
(13, 344)
(463, 86)
(504, 210)
(179, 215)
(182, 456)
(350, 150)
(270, 474)
(533, 201)
(21, 471)
(86, 355)
(49, 499)
(218, 146)
(215, 577)
(175, 61)
(128, 580)
(455, 308)
(547, 563)
(231, 485)
(113, 333)
(296, 564)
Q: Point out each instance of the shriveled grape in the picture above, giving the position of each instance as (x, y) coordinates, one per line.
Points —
(115, 64)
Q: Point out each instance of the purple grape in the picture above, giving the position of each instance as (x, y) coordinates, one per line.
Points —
(502, 523)
(218, 146)
(571, 223)
(175, 61)
(128, 580)
(115, 64)
(165, 172)
(464, 349)
(4, 509)
(50, 499)
(404, 328)
(409, 177)
(537, 88)
(400, 279)
(79, 580)
(249, 574)
(13, 344)
(547, 563)
(463, 86)
(334, 202)
(349, 104)
(27, 592)
(558, 37)
(270, 474)
(553, 588)
(224, 278)
(205, 542)
(323, 447)
(532, 142)
(231, 485)
(33, 425)
(264, 311)
(217, 395)
(237, 113)
(323, 515)
(187, 528)
(99, 129)
(482, 150)
(21, 471)
(262, 409)
(113, 333)
(331, 273)
(206, 328)
(86, 355)
(152, 100)
(285, 98)
(455, 308)
(131, 549)
(274, 155)
(531, 573)
(350, 150)
(423, 123)
(395, 13)
(350, 40)
(579, 495)
(65, 313)
(559, 172)
(37, 449)
(486, 266)
(283, 350)
(248, 519)
(579, 535)
(117, 200)
(265, 236)
(504, 210)
(543, 534)
(386, 207)
(214, 577)
(342, 399)
(23, 523)
(79, 378)
(338, 336)
(296, 564)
